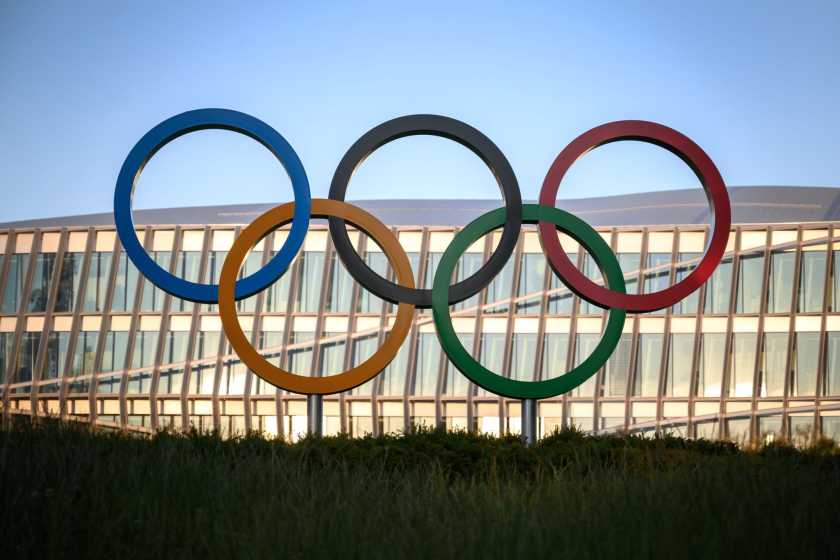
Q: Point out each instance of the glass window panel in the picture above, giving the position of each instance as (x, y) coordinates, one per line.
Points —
(769, 428)
(800, 430)
(806, 352)
(648, 363)
(68, 282)
(455, 384)
(229, 348)
(678, 374)
(717, 289)
(363, 348)
(742, 365)
(584, 346)
(299, 361)
(341, 287)
(773, 365)
(109, 385)
(270, 339)
(738, 430)
(276, 299)
(392, 378)
(523, 357)
(710, 363)
(617, 369)
(657, 281)
(830, 427)
(84, 354)
(232, 380)
(202, 379)
(831, 375)
(145, 346)
(367, 302)
(629, 262)
(707, 429)
(591, 271)
(748, 294)
(332, 358)
(834, 283)
(5, 352)
(96, 285)
(811, 282)
(414, 261)
(56, 355)
(27, 353)
(252, 264)
(139, 383)
(491, 355)
(531, 280)
(206, 344)
(689, 305)
(555, 354)
(79, 387)
(170, 381)
(175, 347)
(153, 296)
(308, 288)
(426, 365)
(560, 303)
(469, 264)
(113, 354)
(125, 284)
(780, 281)
(186, 268)
(432, 262)
(40, 290)
(15, 278)
(500, 289)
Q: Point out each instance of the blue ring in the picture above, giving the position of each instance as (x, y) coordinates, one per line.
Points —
(204, 119)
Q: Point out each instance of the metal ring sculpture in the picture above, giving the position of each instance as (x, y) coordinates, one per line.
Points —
(403, 292)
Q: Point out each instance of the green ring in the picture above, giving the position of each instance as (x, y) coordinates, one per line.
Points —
(581, 232)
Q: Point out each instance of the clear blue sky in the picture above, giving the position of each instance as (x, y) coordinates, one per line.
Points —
(757, 85)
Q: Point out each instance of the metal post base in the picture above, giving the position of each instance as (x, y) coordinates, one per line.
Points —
(529, 422)
(315, 414)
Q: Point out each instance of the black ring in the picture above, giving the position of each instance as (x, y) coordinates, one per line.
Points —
(480, 145)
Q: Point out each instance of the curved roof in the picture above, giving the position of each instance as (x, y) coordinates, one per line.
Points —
(750, 205)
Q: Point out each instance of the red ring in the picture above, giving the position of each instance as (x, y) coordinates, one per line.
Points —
(694, 157)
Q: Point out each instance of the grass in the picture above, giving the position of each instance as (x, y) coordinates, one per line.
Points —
(66, 492)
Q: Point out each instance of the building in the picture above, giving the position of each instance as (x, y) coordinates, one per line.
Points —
(755, 354)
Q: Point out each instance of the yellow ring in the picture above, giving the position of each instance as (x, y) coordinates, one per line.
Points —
(281, 378)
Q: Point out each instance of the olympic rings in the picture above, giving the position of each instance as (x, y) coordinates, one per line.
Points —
(694, 157)
(433, 125)
(281, 378)
(403, 292)
(179, 125)
(469, 366)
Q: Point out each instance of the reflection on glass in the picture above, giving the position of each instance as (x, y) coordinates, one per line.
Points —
(584, 346)
(96, 285)
(170, 380)
(780, 281)
(500, 289)
(831, 375)
(769, 428)
(811, 280)
(152, 299)
(125, 285)
(523, 357)
(426, 365)
(591, 271)
(678, 374)
(560, 303)
(308, 286)
(15, 277)
(710, 364)
(834, 283)
(806, 351)
(618, 369)
(84, 354)
(689, 305)
(186, 268)
(648, 362)
(206, 344)
(454, 382)
(331, 361)
(773, 365)
(109, 385)
(232, 380)
(392, 378)
(145, 345)
(175, 347)
(113, 355)
(299, 361)
(531, 280)
(738, 430)
(491, 355)
(367, 302)
(555, 354)
(748, 294)
(41, 277)
(139, 383)
(657, 281)
(276, 299)
(68, 282)
(467, 266)
(5, 352)
(432, 262)
(707, 429)
(742, 365)
(27, 353)
(202, 378)
(363, 348)
(252, 264)
(341, 287)
(56, 355)
(717, 289)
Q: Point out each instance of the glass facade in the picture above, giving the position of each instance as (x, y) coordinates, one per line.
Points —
(753, 354)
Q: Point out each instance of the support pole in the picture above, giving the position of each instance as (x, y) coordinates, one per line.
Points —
(315, 414)
(529, 422)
